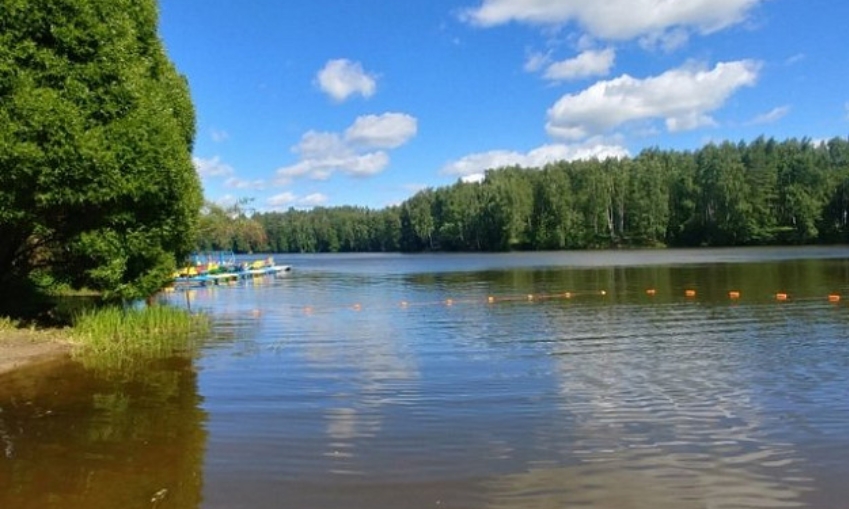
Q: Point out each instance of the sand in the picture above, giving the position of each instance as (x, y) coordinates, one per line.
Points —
(21, 347)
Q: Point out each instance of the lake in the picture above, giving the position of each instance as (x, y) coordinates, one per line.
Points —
(611, 379)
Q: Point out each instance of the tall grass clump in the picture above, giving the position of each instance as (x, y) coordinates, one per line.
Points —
(120, 334)
(7, 324)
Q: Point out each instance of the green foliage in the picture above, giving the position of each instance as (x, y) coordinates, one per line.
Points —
(765, 192)
(96, 127)
(114, 336)
(338, 229)
(230, 229)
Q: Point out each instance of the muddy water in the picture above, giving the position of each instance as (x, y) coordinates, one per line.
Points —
(73, 437)
(506, 381)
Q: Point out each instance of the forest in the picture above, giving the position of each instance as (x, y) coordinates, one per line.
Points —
(764, 192)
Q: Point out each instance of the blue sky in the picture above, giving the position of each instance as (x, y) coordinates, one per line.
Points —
(364, 102)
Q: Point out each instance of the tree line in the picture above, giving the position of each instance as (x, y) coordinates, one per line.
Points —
(764, 192)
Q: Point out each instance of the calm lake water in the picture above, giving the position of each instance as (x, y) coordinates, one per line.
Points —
(542, 380)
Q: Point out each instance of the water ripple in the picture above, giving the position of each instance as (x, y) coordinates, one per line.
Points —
(356, 382)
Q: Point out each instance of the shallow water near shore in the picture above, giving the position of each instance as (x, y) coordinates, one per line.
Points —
(536, 380)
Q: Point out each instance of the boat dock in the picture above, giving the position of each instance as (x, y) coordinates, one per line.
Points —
(212, 273)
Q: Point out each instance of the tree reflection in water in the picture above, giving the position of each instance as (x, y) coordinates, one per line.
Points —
(77, 437)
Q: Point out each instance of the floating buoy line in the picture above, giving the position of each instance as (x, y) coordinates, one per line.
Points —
(688, 294)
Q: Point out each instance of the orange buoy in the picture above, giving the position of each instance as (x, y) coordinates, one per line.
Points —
(651, 292)
(567, 295)
(834, 298)
(490, 299)
(689, 293)
(404, 304)
(530, 296)
(733, 295)
(781, 296)
(356, 307)
(449, 302)
(603, 292)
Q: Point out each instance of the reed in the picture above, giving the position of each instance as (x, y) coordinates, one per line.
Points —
(7, 324)
(118, 333)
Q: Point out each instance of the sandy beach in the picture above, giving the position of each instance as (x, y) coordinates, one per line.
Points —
(20, 348)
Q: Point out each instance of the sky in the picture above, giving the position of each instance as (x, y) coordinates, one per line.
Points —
(305, 103)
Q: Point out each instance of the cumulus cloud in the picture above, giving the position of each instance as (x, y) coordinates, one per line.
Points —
(323, 167)
(357, 153)
(668, 40)
(343, 78)
(771, 116)
(683, 97)
(289, 199)
(214, 167)
(614, 19)
(389, 130)
(587, 64)
(471, 168)
(313, 200)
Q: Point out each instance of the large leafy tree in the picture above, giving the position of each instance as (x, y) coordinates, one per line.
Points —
(230, 229)
(97, 186)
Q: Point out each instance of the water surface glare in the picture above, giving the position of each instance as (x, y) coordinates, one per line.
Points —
(511, 381)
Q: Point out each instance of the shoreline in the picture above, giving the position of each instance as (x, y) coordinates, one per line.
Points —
(20, 348)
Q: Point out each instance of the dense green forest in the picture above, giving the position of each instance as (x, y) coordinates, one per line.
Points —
(765, 192)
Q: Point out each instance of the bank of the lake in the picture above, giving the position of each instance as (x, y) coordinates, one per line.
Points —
(23, 347)
(106, 334)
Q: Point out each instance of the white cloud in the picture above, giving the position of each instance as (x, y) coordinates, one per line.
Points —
(589, 63)
(282, 199)
(237, 183)
(290, 199)
(683, 97)
(313, 200)
(324, 153)
(668, 40)
(614, 19)
(771, 116)
(322, 168)
(208, 168)
(343, 78)
(537, 61)
(316, 144)
(471, 168)
(475, 178)
(389, 130)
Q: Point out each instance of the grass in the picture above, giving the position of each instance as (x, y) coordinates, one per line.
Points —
(115, 335)
(116, 338)
(7, 324)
